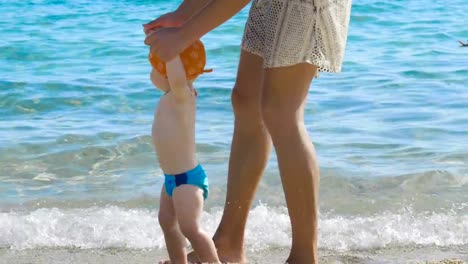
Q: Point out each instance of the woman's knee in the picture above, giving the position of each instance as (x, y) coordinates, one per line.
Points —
(247, 89)
(275, 114)
(245, 101)
(246, 106)
(281, 119)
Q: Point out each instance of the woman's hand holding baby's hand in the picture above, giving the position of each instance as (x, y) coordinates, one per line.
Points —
(171, 19)
(167, 42)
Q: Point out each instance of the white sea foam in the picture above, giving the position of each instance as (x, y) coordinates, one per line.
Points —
(102, 227)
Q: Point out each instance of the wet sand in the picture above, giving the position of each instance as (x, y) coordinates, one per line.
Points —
(432, 255)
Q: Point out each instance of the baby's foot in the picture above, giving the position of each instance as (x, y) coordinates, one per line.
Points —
(191, 257)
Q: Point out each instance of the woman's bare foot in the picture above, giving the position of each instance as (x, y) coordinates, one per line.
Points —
(231, 257)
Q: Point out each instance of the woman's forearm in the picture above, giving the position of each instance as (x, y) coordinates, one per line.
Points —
(188, 8)
(212, 15)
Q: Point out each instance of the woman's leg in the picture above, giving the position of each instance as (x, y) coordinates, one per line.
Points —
(249, 155)
(285, 91)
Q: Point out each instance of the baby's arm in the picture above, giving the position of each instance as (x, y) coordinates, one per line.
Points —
(177, 79)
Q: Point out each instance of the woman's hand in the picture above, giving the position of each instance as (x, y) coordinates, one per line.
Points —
(167, 42)
(171, 19)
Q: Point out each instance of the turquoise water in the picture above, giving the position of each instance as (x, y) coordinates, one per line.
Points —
(76, 108)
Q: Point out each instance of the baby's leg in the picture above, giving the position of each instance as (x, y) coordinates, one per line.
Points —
(188, 205)
(175, 241)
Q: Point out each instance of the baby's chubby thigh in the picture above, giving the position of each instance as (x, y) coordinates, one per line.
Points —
(188, 204)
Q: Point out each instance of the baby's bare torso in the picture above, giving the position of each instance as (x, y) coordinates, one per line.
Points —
(174, 133)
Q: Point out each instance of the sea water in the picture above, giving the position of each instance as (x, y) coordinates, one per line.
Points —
(77, 166)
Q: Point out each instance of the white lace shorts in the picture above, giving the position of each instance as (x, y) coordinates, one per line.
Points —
(288, 32)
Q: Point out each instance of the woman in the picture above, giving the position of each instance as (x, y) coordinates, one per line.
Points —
(285, 44)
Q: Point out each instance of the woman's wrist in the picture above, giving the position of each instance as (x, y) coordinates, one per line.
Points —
(181, 14)
(188, 33)
(188, 8)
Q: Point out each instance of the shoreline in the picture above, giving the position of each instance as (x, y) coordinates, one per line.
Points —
(427, 255)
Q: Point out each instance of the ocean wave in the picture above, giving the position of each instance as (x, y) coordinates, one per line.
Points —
(268, 227)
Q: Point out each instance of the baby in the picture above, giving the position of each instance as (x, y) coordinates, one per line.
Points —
(186, 185)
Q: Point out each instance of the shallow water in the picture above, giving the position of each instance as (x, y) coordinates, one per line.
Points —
(76, 105)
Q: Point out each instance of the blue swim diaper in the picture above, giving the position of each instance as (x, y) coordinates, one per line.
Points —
(195, 176)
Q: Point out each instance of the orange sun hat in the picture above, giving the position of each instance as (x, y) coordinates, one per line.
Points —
(193, 58)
